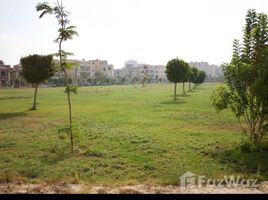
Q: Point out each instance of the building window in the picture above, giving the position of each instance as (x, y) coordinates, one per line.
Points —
(3, 73)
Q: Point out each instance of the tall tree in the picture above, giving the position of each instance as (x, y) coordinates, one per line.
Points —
(66, 32)
(177, 72)
(36, 69)
(246, 78)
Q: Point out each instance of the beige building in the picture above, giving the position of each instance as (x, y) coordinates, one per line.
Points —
(133, 71)
(155, 73)
(4, 74)
(213, 72)
(16, 77)
(89, 69)
(85, 71)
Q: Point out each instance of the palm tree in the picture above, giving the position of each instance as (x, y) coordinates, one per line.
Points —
(66, 32)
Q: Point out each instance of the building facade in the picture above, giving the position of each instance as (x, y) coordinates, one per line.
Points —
(4, 74)
(85, 72)
(134, 72)
(16, 77)
(213, 72)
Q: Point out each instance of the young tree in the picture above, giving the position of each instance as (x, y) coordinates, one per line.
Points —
(36, 69)
(201, 76)
(100, 78)
(66, 32)
(144, 79)
(187, 76)
(193, 76)
(177, 72)
(246, 78)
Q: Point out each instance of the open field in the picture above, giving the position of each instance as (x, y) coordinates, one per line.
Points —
(128, 135)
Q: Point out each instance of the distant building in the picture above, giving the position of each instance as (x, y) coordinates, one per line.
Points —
(4, 74)
(102, 66)
(16, 77)
(156, 73)
(213, 72)
(133, 72)
(85, 71)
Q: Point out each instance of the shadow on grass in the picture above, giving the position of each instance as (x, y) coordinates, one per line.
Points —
(244, 160)
(173, 102)
(200, 88)
(10, 98)
(193, 91)
(4, 116)
(183, 95)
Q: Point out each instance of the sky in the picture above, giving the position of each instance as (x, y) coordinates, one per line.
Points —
(149, 31)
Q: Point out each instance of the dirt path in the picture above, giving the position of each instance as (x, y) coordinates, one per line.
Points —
(63, 188)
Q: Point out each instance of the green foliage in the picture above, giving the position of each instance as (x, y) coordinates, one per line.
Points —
(71, 89)
(101, 79)
(246, 78)
(66, 132)
(220, 98)
(200, 78)
(66, 32)
(194, 72)
(70, 65)
(36, 68)
(177, 71)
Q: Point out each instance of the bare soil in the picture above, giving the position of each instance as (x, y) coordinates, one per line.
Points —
(68, 188)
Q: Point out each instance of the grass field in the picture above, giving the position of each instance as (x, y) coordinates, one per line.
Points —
(129, 135)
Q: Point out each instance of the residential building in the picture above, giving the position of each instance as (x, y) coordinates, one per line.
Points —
(4, 74)
(133, 72)
(16, 77)
(155, 73)
(213, 72)
(84, 72)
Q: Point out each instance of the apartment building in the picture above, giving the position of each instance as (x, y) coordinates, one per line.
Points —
(83, 72)
(213, 72)
(133, 71)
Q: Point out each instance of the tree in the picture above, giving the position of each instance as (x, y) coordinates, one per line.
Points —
(186, 77)
(201, 76)
(246, 78)
(66, 32)
(194, 72)
(36, 69)
(177, 72)
(100, 78)
(122, 80)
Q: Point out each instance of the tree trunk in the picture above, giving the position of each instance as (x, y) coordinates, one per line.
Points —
(35, 94)
(183, 88)
(175, 92)
(70, 120)
(68, 97)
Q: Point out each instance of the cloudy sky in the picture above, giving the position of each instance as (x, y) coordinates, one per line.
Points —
(149, 31)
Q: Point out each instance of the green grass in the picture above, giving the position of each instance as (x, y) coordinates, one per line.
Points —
(129, 134)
